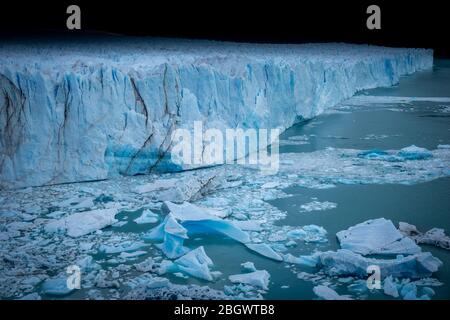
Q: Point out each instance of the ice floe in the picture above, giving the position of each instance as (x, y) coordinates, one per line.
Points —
(378, 236)
(317, 206)
(435, 236)
(309, 233)
(327, 293)
(258, 278)
(81, 223)
(147, 216)
(56, 286)
(347, 263)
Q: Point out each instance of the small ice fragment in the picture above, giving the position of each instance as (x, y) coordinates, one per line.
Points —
(248, 266)
(147, 216)
(327, 293)
(389, 287)
(56, 287)
(317, 206)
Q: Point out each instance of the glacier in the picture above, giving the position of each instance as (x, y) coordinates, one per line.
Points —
(95, 109)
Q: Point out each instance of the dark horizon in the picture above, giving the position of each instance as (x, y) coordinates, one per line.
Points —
(404, 24)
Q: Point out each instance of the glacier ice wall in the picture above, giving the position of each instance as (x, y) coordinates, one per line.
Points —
(89, 110)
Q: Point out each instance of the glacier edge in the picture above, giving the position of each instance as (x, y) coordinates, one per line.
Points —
(89, 111)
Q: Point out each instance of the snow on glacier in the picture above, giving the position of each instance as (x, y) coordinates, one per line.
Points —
(127, 97)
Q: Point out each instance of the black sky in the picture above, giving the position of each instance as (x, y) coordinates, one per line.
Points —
(404, 23)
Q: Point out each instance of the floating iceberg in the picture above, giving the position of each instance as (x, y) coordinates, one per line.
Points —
(317, 206)
(347, 263)
(147, 216)
(327, 293)
(435, 236)
(172, 234)
(203, 220)
(56, 286)
(390, 287)
(248, 266)
(258, 278)
(125, 246)
(414, 153)
(194, 263)
(309, 233)
(81, 223)
(378, 236)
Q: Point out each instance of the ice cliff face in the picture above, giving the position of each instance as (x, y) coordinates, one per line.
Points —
(95, 109)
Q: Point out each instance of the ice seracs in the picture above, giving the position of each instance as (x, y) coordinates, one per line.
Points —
(377, 236)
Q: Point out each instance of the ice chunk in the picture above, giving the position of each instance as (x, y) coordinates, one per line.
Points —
(390, 287)
(327, 293)
(249, 225)
(125, 246)
(435, 236)
(195, 263)
(147, 216)
(198, 219)
(81, 223)
(415, 153)
(172, 234)
(190, 187)
(258, 278)
(317, 206)
(306, 260)
(309, 233)
(264, 250)
(347, 263)
(56, 286)
(248, 266)
(409, 291)
(378, 236)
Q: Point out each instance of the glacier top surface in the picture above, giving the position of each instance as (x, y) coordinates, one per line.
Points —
(141, 53)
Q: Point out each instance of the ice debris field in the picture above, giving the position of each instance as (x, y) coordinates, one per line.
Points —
(159, 235)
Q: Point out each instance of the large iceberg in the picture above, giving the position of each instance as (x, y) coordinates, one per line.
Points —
(127, 96)
(377, 236)
(347, 263)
